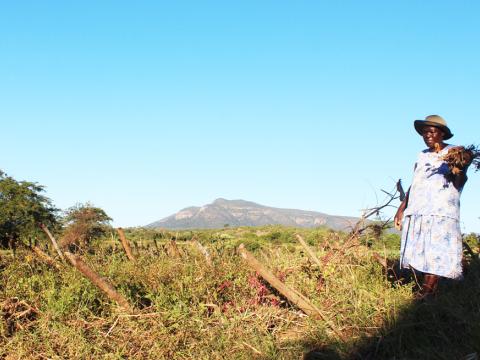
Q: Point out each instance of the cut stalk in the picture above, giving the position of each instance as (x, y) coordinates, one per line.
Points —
(44, 257)
(98, 281)
(204, 251)
(292, 295)
(52, 239)
(125, 244)
(308, 250)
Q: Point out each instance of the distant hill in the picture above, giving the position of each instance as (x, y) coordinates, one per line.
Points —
(245, 213)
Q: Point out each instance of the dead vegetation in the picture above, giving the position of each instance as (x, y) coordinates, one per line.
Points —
(458, 157)
(17, 315)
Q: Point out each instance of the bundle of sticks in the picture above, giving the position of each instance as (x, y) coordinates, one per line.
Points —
(459, 157)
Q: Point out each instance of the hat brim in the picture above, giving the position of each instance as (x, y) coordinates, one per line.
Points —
(420, 124)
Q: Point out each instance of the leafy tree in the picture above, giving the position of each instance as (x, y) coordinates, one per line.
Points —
(84, 223)
(22, 209)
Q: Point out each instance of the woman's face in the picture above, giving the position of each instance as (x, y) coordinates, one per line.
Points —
(432, 135)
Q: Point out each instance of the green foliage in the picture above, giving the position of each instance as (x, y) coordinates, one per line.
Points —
(22, 209)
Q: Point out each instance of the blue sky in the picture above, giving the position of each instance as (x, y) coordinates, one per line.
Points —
(144, 108)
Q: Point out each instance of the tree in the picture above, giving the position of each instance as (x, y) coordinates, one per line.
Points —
(22, 209)
(84, 223)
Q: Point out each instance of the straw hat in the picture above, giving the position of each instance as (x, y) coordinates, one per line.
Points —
(433, 120)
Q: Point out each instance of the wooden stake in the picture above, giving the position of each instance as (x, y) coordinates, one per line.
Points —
(308, 250)
(292, 295)
(98, 281)
(125, 244)
(52, 239)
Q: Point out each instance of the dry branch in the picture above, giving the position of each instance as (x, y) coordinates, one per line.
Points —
(125, 244)
(308, 250)
(360, 226)
(52, 239)
(98, 281)
(292, 295)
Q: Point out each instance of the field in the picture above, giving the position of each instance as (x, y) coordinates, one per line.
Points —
(187, 306)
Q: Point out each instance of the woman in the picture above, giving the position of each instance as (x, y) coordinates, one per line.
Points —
(430, 212)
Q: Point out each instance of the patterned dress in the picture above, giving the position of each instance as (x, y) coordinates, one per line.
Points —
(431, 238)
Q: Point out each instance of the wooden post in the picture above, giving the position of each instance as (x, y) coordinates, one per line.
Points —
(44, 257)
(125, 244)
(292, 295)
(308, 250)
(98, 281)
(52, 239)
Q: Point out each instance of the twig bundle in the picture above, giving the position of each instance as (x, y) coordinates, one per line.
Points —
(18, 314)
(459, 157)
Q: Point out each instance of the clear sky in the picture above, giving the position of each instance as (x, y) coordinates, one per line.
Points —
(147, 107)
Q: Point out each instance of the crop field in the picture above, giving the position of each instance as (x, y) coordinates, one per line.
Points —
(190, 301)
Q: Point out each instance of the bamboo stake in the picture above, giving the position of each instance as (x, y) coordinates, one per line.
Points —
(44, 257)
(308, 250)
(98, 281)
(292, 295)
(52, 239)
(125, 244)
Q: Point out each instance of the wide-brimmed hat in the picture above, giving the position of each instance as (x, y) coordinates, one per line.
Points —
(433, 120)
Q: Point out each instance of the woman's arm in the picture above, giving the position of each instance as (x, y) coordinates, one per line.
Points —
(460, 179)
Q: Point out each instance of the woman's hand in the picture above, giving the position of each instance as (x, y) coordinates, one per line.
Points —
(398, 220)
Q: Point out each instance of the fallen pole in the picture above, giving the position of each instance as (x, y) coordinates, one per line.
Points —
(292, 295)
(98, 281)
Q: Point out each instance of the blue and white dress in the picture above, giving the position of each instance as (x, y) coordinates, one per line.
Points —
(431, 238)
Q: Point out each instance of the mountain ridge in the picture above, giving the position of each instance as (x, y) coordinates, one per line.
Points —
(222, 212)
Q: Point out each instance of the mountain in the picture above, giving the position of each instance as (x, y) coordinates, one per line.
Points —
(245, 213)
